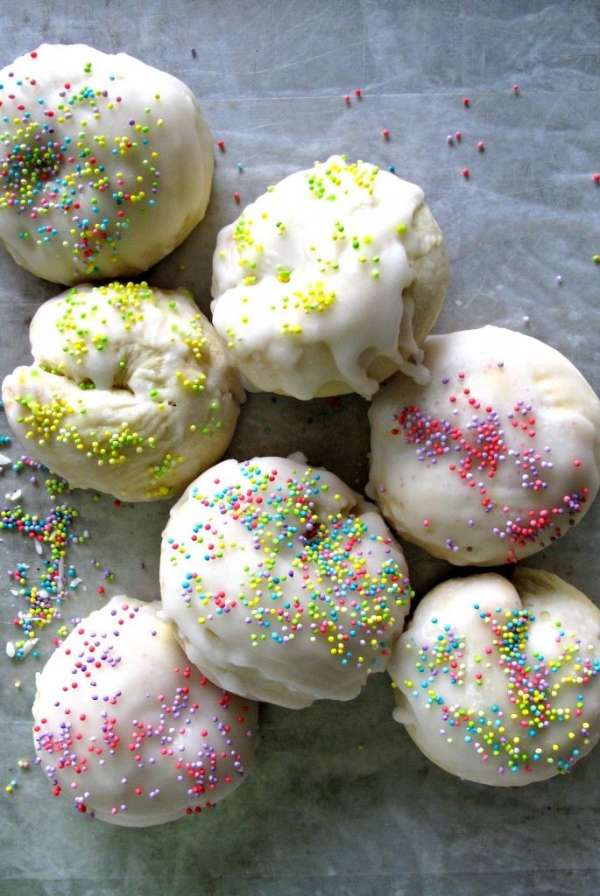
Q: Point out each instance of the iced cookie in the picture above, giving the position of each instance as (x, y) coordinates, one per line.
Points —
(494, 459)
(106, 163)
(130, 391)
(127, 731)
(283, 583)
(497, 682)
(330, 281)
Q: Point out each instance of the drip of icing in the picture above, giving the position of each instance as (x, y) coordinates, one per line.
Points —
(309, 282)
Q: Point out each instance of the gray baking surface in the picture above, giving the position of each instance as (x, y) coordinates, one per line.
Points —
(340, 803)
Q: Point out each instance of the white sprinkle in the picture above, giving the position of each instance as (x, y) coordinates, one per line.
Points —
(10, 649)
(14, 496)
(5, 461)
(38, 548)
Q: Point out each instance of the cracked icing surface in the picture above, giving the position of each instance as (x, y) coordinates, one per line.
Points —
(330, 281)
(130, 391)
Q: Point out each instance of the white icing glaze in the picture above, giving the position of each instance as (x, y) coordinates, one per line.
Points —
(308, 282)
(165, 401)
(470, 474)
(283, 583)
(499, 683)
(128, 731)
(106, 162)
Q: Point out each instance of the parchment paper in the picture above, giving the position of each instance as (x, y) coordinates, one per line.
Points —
(340, 803)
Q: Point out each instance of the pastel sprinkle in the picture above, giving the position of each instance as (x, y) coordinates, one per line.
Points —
(481, 453)
(339, 600)
(532, 702)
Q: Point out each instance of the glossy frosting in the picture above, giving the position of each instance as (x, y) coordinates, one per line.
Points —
(496, 457)
(106, 163)
(127, 731)
(499, 683)
(311, 283)
(283, 583)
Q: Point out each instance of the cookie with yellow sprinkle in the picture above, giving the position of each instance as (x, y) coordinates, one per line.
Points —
(499, 683)
(330, 281)
(106, 163)
(130, 392)
(284, 584)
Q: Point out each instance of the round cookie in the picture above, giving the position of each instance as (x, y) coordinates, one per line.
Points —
(498, 682)
(496, 457)
(127, 731)
(130, 392)
(330, 281)
(106, 163)
(283, 583)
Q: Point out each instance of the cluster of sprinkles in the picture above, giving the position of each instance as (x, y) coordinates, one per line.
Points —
(71, 181)
(55, 485)
(40, 590)
(329, 183)
(455, 138)
(508, 732)
(83, 326)
(489, 445)
(96, 729)
(42, 595)
(306, 573)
